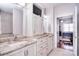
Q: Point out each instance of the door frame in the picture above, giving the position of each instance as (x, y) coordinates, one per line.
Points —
(75, 31)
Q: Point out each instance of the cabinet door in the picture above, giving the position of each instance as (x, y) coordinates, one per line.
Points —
(26, 51)
(32, 50)
(19, 52)
(42, 46)
(50, 43)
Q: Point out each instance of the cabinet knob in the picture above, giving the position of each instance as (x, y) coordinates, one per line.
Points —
(41, 46)
(26, 53)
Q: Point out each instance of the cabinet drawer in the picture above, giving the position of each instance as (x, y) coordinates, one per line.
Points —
(32, 50)
(42, 52)
(26, 51)
(42, 46)
(41, 41)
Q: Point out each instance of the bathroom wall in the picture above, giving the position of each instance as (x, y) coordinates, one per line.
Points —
(6, 22)
(47, 17)
(46, 24)
(27, 20)
(17, 21)
(64, 10)
(32, 24)
(37, 24)
(38, 21)
(49, 14)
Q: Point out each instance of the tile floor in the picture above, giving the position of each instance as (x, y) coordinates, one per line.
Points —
(61, 52)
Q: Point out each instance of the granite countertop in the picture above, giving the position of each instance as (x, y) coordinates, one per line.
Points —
(43, 35)
(11, 46)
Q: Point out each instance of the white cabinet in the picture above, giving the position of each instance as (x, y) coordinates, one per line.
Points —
(50, 43)
(19, 52)
(32, 50)
(42, 46)
(26, 51)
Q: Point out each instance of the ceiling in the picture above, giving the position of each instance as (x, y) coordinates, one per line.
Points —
(9, 6)
(6, 7)
(77, 7)
(48, 5)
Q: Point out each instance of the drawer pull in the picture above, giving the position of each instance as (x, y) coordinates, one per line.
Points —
(26, 53)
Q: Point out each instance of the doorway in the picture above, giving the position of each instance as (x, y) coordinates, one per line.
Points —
(65, 32)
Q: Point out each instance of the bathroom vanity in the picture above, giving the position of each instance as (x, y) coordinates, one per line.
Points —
(39, 45)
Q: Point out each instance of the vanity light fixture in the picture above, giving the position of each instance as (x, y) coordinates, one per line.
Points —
(61, 21)
(45, 16)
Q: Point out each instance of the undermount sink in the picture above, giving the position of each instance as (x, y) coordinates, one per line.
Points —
(9, 46)
(12, 43)
(17, 43)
